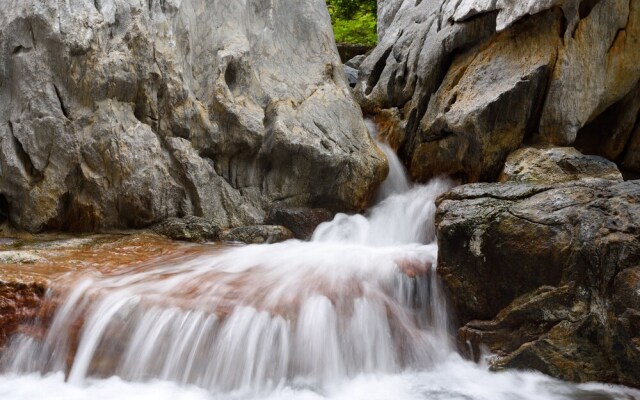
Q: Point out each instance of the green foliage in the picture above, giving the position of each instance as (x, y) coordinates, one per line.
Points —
(360, 30)
(347, 9)
(354, 21)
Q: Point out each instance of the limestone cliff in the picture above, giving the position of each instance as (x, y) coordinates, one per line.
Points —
(470, 81)
(119, 113)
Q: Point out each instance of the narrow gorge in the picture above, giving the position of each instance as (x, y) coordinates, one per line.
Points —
(199, 201)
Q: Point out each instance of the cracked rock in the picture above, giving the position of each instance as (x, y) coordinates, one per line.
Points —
(473, 80)
(546, 276)
(120, 114)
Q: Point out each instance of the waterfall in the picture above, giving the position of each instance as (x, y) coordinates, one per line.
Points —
(356, 312)
(360, 297)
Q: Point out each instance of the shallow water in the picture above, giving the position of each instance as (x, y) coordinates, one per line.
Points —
(454, 379)
(356, 313)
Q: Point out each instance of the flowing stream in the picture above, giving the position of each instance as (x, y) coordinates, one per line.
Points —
(355, 313)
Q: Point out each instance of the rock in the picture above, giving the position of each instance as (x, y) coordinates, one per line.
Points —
(388, 124)
(609, 134)
(352, 75)
(631, 160)
(387, 10)
(19, 302)
(67, 258)
(66, 243)
(475, 119)
(301, 221)
(20, 257)
(616, 25)
(356, 61)
(545, 275)
(4, 210)
(257, 234)
(120, 114)
(626, 290)
(348, 51)
(190, 229)
(556, 165)
(569, 351)
(474, 80)
(548, 231)
(524, 320)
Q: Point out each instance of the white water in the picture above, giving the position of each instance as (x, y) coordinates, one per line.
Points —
(455, 379)
(354, 314)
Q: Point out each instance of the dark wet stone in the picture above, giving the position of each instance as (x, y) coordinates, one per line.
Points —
(257, 234)
(190, 229)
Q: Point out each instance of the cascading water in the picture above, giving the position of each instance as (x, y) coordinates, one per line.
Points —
(359, 298)
(354, 313)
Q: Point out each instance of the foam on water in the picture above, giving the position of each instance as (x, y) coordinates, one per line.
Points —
(356, 313)
(454, 379)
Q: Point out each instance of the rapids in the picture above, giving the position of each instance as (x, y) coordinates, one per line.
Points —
(355, 313)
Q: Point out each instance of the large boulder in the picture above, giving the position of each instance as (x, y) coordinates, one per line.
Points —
(546, 276)
(118, 114)
(473, 80)
(301, 221)
(556, 165)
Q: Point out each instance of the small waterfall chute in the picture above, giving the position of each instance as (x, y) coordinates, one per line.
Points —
(358, 298)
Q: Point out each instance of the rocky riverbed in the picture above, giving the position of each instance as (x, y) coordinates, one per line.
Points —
(29, 264)
(223, 121)
(537, 101)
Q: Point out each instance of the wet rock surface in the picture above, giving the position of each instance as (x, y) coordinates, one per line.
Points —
(301, 221)
(258, 234)
(545, 276)
(19, 302)
(190, 229)
(472, 81)
(120, 114)
(30, 265)
(20, 257)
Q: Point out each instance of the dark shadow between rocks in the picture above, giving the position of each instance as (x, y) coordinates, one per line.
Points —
(4, 209)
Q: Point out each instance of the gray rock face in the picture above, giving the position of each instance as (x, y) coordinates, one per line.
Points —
(257, 234)
(352, 75)
(387, 10)
(556, 165)
(475, 79)
(121, 113)
(356, 61)
(546, 276)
